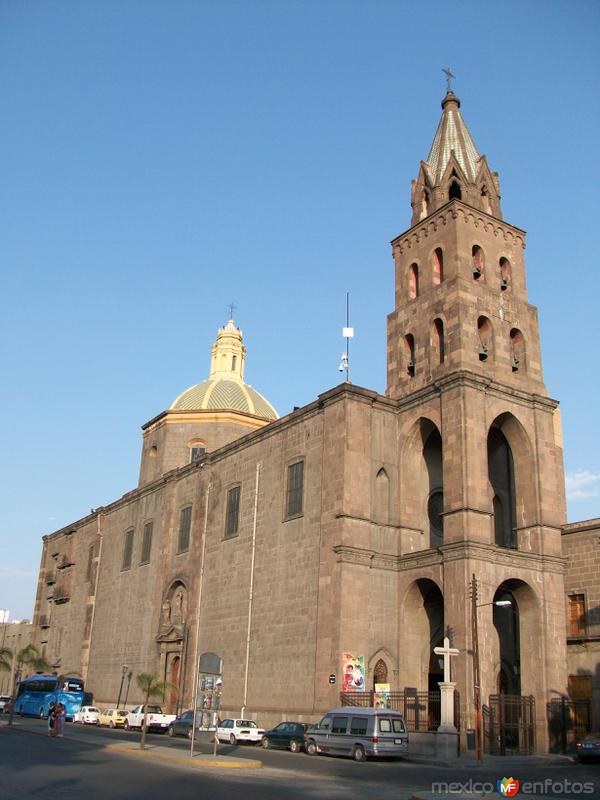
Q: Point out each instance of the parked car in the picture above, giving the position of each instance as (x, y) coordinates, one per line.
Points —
(4, 701)
(359, 733)
(239, 730)
(589, 748)
(182, 726)
(157, 721)
(88, 715)
(113, 717)
(287, 735)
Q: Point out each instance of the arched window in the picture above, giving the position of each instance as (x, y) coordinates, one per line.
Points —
(501, 474)
(381, 504)
(409, 354)
(484, 331)
(432, 453)
(505, 274)
(413, 282)
(438, 265)
(233, 363)
(197, 448)
(478, 262)
(517, 350)
(454, 193)
(437, 339)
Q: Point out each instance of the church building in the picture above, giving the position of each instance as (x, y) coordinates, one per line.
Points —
(358, 524)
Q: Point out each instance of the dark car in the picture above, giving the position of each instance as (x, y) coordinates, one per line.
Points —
(182, 726)
(589, 747)
(286, 735)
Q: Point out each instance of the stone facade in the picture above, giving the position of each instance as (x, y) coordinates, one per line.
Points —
(456, 472)
(581, 548)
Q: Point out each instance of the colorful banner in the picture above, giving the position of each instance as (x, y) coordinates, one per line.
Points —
(381, 696)
(353, 673)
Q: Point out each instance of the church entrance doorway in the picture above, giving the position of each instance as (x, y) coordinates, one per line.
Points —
(421, 630)
(174, 680)
(506, 622)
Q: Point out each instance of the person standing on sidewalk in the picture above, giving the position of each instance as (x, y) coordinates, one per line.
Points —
(51, 719)
(60, 719)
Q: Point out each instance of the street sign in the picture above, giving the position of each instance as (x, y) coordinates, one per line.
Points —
(332, 679)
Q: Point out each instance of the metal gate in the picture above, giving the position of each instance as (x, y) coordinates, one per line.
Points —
(509, 725)
(568, 720)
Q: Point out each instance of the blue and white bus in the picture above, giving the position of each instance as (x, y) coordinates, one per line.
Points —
(37, 693)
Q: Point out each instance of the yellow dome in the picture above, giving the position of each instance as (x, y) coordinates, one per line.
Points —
(225, 390)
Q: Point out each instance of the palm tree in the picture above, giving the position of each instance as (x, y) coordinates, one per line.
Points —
(152, 686)
(5, 659)
(31, 658)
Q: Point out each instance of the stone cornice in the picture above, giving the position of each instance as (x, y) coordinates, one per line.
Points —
(451, 210)
(519, 559)
(585, 526)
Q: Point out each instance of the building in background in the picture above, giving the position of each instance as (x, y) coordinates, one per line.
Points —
(357, 524)
(581, 548)
(15, 636)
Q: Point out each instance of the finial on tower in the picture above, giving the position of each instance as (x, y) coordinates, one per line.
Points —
(231, 308)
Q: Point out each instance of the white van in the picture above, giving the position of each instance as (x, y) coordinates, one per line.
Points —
(359, 732)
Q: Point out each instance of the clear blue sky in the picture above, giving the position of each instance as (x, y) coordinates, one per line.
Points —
(161, 159)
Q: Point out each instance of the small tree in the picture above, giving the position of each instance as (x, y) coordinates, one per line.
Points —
(151, 686)
(5, 659)
(28, 657)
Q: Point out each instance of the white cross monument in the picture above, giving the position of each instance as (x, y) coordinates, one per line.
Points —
(446, 688)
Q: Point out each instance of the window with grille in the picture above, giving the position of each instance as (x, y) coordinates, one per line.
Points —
(146, 543)
(577, 626)
(127, 550)
(197, 453)
(232, 516)
(185, 524)
(295, 489)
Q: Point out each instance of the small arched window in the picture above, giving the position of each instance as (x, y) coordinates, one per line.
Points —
(478, 262)
(438, 265)
(505, 274)
(437, 339)
(484, 331)
(413, 282)
(197, 448)
(517, 350)
(409, 354)
(233, 363)
(454, 193)
(381, 509)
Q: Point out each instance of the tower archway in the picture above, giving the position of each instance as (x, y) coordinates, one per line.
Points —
(421, 629)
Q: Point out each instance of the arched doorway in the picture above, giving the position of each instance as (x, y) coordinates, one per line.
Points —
(380, 673)
(506, 622)
(422, 629)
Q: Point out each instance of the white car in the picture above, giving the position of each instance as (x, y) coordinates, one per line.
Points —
(4, 699)
(87, 715)
(239, 730)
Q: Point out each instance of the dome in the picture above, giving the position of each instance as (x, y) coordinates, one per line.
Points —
(225, 390)
(220, 394)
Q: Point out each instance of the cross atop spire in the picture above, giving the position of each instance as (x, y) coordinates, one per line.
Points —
(231, 308)
(449, 77)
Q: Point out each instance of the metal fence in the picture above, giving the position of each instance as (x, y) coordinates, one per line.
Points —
(568, 721)
(509, 725)
(421, 710)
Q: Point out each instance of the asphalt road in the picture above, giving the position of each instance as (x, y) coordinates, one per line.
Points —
(81, 767)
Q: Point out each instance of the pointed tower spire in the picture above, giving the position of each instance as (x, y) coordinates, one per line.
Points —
(454, 169)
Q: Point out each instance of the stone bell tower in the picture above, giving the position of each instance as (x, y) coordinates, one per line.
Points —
(477, 424)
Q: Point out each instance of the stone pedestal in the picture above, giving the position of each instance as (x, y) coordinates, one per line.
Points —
(447, 707)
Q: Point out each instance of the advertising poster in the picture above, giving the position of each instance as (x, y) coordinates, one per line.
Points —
(381, 697)
(353, 671)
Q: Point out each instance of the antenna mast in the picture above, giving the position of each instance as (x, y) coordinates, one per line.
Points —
(347, 333)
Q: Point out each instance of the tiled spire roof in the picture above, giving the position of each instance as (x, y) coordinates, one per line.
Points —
(452, 135)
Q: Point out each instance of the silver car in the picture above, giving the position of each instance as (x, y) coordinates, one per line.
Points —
(359, 733)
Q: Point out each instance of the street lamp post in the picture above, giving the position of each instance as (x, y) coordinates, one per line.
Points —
(124, 669)
(476, 670)
(129, 676)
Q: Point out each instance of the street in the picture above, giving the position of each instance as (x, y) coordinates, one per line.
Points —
(82, 766)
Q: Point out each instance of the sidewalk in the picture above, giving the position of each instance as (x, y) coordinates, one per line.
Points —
(152, 750)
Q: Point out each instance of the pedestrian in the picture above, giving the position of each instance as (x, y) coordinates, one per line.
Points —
(60, 719)
(51, 718)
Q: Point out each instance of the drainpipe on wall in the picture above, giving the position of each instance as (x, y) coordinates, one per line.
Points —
(198, 609)
(251, 590)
